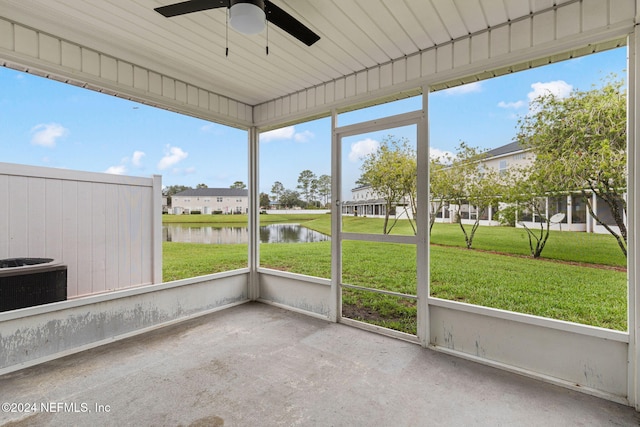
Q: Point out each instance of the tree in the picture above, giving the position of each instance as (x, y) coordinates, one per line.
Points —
(170, 190)
(470, 185)
(391, 172)
(307, 184)
(202, 186)
(264, 200)
(580, 142)
(238, 184)
(290, 198)
(324, 189)
(525, 195)
(440, 188)
(277, 190)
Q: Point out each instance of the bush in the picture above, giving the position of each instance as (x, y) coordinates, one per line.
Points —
(507, 216)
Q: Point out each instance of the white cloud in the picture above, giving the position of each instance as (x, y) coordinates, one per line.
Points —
(463, 89)
(117, 170)
(121, 169)
(46, 135)
(558, 88)
(512, 105)
(136, 159)
(286, 133)
(212, 128)
(435, 153)
(172, 155)
(361, 148)
(305, 136)
(282, 133)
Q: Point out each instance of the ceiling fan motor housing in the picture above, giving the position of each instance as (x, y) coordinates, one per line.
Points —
(247, 16)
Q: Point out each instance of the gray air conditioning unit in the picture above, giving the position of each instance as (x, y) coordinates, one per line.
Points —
(25, 282)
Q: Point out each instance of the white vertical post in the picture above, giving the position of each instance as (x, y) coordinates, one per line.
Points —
(422, 222)
(254, 212)
(335, 305)
(591, 221)
(156, 217)
(633, 219)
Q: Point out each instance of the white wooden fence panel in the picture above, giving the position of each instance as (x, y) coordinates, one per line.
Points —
(35, 215)
(18, 231)
(53, 218)
(101, 226)
(70, 234)
(146, 235)
(112, 266)
(135, 205)
(84, 223)
(98, 236)
(124, 243)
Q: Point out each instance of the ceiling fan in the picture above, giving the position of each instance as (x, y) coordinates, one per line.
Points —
(246, 16)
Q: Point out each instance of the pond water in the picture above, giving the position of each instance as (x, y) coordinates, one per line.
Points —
(272, 233)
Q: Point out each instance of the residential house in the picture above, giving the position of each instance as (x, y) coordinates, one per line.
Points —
(210, 201)
(572, 205)
(365, 201)
(501, 159)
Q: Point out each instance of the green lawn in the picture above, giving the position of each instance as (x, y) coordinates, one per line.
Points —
(562, 245)
(497, 275)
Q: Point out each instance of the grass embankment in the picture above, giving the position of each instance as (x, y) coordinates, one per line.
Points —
(549, 287)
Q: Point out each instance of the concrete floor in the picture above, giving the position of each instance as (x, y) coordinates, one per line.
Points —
(256, 365)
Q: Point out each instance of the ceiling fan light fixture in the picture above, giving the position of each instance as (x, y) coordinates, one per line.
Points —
(247, 17)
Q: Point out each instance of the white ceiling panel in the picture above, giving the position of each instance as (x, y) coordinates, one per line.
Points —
(355, 35)
(450, 15)
(472, 15)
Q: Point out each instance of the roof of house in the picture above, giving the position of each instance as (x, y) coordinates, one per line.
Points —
(505, 149)
(213, 192)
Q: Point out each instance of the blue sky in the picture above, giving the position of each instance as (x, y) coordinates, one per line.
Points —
(47, 123)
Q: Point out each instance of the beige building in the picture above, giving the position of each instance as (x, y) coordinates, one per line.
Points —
(576, 215)
(500, 159)
(365, 202)
(210, 201)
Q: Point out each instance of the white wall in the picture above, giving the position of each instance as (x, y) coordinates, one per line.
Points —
(37, 334)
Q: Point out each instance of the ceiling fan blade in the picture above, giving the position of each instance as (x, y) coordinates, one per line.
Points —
(190, 6)
(288, 23)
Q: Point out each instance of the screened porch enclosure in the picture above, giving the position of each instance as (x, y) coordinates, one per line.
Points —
(171, 64)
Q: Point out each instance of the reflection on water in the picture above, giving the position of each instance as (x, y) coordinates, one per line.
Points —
(290, 233)
(272, 233)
